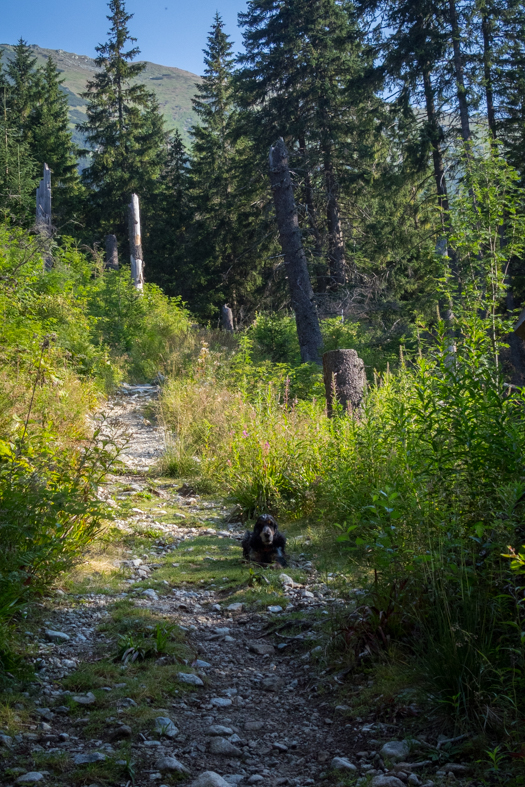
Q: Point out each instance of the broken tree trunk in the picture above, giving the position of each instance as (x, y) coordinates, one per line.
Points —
(111, 252)
(227, 319)
(135, 244)
(301, 293)
(344, 379)
(43, 214)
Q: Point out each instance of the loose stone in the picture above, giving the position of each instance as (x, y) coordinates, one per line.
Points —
(395, 750)
(170, 764)
(56, 636)
(386, 781)
(221, 702)
(85, 699)
(87, 759)
(224, 747)
(342, 764)
(165, 726)
(210, 779)
(262, 648)
(190, 679)
(218, 729)
(30, 778)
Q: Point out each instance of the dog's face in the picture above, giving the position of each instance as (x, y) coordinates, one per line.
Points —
(265, 528)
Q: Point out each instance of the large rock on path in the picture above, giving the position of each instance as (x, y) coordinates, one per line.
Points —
(171, 764)
(224, 747)
(395, 751)
(386, 781)
(165, 726)
(210, 779)
(342, 764)
(30, 778)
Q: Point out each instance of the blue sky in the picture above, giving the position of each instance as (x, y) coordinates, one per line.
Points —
(169, 32)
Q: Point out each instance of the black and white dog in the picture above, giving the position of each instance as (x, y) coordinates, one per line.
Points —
(265, 545)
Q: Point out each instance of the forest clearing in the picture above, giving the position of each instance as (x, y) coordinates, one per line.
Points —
(313, 313)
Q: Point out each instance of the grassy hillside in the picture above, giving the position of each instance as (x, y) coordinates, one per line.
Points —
(174, 88)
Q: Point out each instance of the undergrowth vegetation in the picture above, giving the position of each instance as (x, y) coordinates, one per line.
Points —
(423, 486)
(422, 489)
(67, 337)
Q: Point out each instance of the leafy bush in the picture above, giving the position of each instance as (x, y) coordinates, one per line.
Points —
(49, 512)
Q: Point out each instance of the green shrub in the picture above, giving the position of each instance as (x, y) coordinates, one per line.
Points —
(49, 512)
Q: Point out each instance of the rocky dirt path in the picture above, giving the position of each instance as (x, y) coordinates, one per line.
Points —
(240, 697)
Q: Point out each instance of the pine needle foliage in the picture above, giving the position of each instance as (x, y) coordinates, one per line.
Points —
(124, 128)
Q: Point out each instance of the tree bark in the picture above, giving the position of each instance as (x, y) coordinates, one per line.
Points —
(515, 340)
(301, 293)
(227, 319)
(135, 244)
(320, 269)
(437, 155)
(344, 379)
(111, 252)
(459, 73)
(439, 167)
(487, 73)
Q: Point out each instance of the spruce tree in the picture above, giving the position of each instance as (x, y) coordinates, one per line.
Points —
(17, 167)
(22, 77)
(124, 129)
(167, 218)
(227, 237)
(509, 83)
(51, 143)
(302, 77)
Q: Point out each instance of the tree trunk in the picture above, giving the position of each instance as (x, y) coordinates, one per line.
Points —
(301, 293)
(227, 319)
(487, 73)
(459, 72)
(43, 215)
(344, 379)
(111, 252)
(135, 244)
(437, 156)
(336, 246)
(439, 167)
(515, 340)
(320, 269)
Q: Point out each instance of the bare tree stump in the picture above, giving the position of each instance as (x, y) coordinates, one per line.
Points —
(43, 214)
(111, 252)
(301, 293)
(135, 244)
(227, 319)
(345, 377)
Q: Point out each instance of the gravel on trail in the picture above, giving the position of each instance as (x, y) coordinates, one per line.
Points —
(254, 712)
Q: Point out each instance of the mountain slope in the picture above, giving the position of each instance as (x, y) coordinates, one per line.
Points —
(173, 87)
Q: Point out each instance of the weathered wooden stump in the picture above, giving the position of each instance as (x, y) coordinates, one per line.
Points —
(135, 244)
(43, 215)
(111, 252)
(345, 378)
(227, 319)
